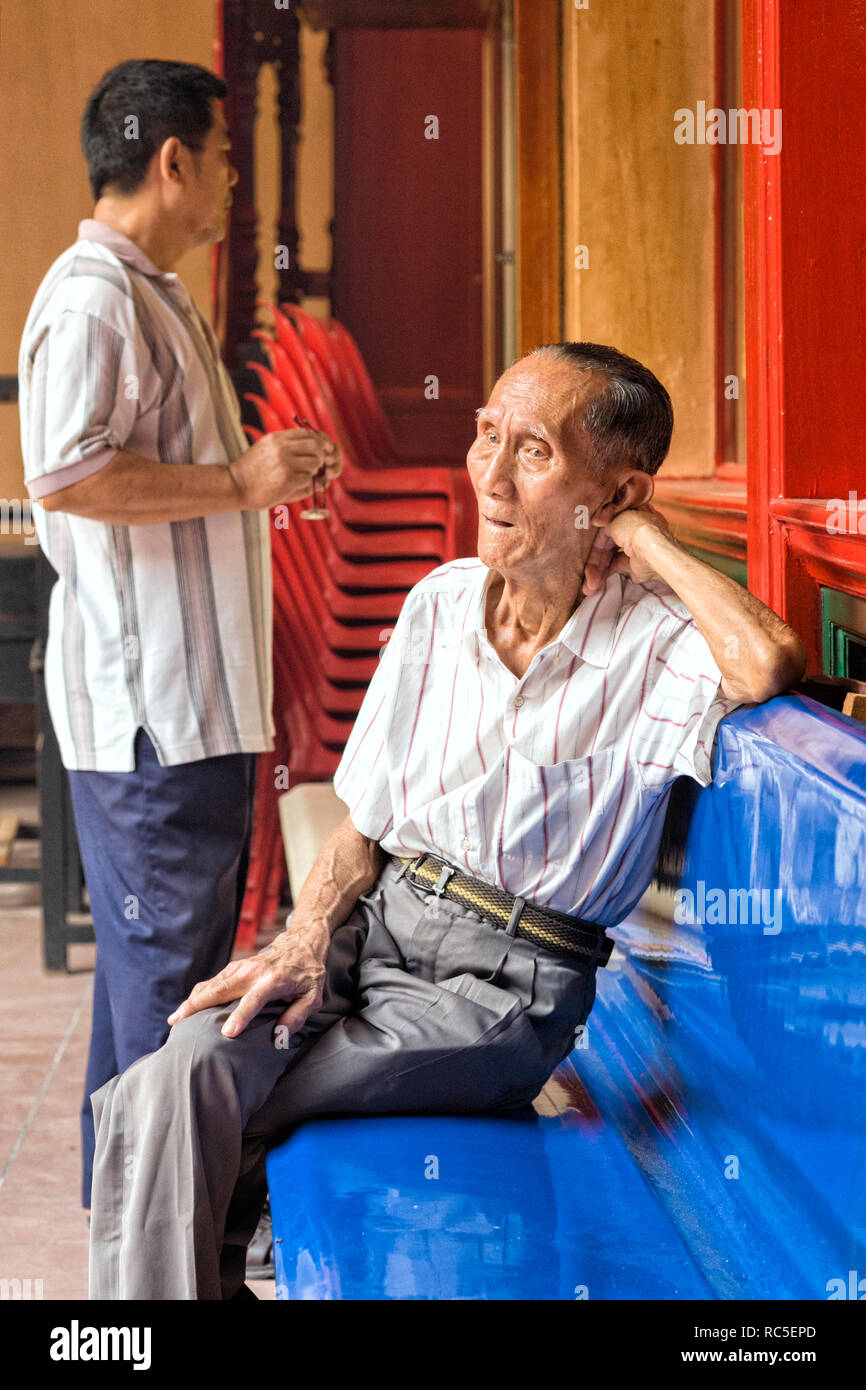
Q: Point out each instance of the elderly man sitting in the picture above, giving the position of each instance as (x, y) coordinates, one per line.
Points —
(506, 781)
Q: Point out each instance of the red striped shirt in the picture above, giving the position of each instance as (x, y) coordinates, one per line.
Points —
(563, 805)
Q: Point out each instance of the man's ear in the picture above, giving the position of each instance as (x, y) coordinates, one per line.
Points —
(632, 489)
(171, 160)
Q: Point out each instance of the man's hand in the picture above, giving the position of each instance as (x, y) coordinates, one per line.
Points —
(758, 655)
(280, 467)
(614, 550)
(291, 968)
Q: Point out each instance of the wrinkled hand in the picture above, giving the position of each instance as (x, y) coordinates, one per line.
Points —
(280, 467)
(615, 550)
(291, 968)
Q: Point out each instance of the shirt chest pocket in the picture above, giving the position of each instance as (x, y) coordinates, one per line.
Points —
(551, 811)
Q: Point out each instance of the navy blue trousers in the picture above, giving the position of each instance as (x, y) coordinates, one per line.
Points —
(165, 853)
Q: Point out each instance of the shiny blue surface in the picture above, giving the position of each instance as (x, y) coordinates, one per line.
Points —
(515, 1212)
(712, 1140)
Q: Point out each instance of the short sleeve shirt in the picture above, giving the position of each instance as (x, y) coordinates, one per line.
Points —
(166, 627)
(553, 785)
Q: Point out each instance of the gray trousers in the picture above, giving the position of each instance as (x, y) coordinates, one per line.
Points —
(427, 1008)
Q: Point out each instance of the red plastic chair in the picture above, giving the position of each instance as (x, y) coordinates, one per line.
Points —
(339, 584)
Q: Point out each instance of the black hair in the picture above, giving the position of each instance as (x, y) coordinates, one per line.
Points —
(165, 99)
(631, 419)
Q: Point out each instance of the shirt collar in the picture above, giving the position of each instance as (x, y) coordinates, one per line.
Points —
(589, 632)
(121, 246)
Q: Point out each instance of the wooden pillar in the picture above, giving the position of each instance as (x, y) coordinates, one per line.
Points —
(256, 32)
(285, 40)
(240, 71)
(539, 126)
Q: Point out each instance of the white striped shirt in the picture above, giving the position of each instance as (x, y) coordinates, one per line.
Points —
(166, 627)
(553, 786)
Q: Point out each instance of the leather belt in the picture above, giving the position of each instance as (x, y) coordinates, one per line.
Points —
(554, 931)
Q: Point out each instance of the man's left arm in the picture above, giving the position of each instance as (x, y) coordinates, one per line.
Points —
(757, 653)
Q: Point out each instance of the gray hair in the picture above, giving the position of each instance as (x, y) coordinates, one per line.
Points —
(631, 419)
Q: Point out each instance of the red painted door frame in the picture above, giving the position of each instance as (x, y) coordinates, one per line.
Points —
(805, 276)
(762, 215)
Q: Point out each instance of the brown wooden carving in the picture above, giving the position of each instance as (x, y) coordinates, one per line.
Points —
(257, 32)
(284, 41)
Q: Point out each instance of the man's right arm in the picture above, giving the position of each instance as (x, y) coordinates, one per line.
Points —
(293, 966)
(131, 490)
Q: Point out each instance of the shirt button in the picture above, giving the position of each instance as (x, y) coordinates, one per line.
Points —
(465, 844)
(518, 701)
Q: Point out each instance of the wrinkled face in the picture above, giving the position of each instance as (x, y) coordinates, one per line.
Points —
(528, 468)
(209, 197)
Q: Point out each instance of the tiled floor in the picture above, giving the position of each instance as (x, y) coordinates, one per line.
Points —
(44, 1032)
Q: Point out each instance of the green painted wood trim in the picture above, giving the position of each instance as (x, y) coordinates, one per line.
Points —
(843, 620)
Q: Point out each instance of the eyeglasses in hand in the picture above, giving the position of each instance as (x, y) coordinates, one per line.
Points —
(318, 511)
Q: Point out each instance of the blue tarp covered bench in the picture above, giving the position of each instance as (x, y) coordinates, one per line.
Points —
(707, 1138)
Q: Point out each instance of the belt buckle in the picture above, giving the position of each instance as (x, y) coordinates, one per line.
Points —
(409, 867)
(443, 880)
(447, 872)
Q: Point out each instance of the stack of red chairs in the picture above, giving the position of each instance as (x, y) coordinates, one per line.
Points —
(339, 583)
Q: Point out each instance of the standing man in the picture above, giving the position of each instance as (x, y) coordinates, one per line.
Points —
(153, 511)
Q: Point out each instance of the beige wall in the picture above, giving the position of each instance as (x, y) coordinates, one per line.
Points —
(642, 204)
(52, 53)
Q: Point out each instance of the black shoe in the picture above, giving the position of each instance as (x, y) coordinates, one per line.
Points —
(260, 1252)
